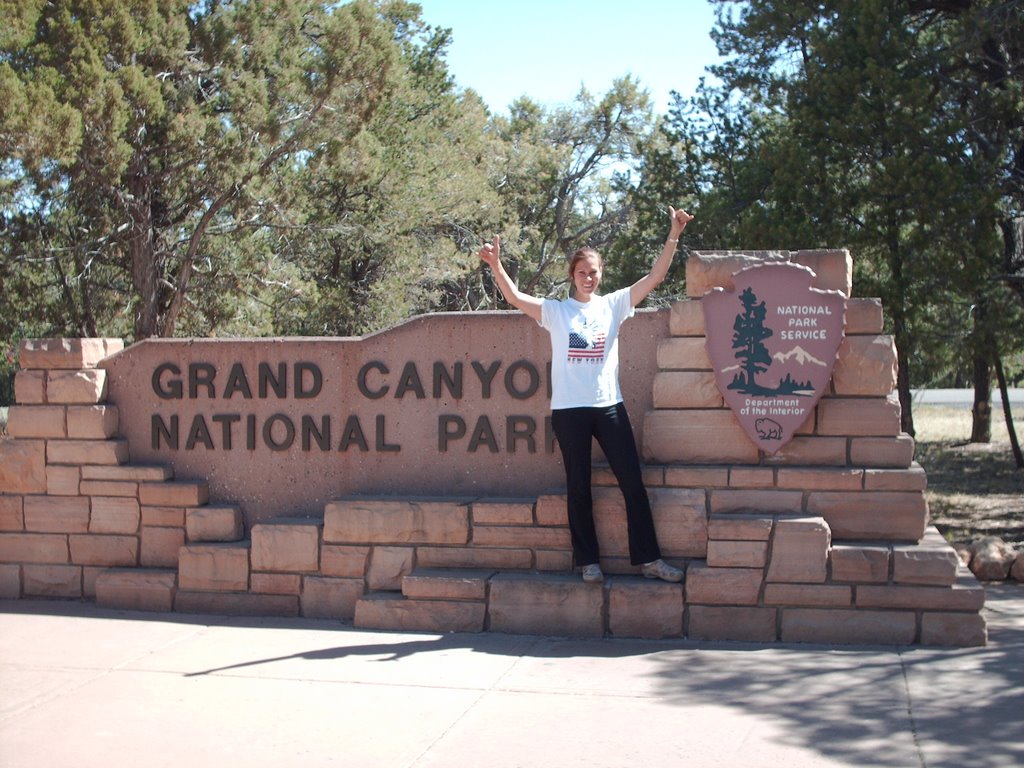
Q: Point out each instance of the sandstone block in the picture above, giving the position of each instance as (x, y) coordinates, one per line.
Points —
(114, 514)
(679, 518)
(821, 479)
(808, 595)
(36, 421)
(66, 353)
(86, 387)
(888, 515)
(128, 473)
(87, 451)
(728, 500)
(912, 479)
(864, 316)
(30, 387)
(745, 624)
(547, 604)
(327, 598)
(686, 318)
(384, 611)
(696, 437)
(453, 584)
(697, 477)
(551, 509)
(927, 563)
(955, 598)
(896, 452)
(12, 517)
(159, 547)
(33, 548)
(219, 523)
(22, 466)
(838, 626)
(723, 586)
(560, 561)
(469, 557)
(396, 521)
(860, 564)
(275, 583)
(165, 517)
(343, 561)
(52, 581)
(866, 365)
(706, 270)
(800, 551)
(236, 604)
(683, 354)
(953, 629)
(859, 416)
(175, 493)
(106, 551)
(214, 567)
(751, 477)
(686, 389)
(503, 512)
(832, 267)
(737, 554)
(10, 582)
(286, 545)
(136, 589)
(811, 451)
(63, 480)
(107, 488)
(640, 608)
(89, 575)
(740, 527)
(388, 566)
(56, 514)
(507, 536)
(92, 422)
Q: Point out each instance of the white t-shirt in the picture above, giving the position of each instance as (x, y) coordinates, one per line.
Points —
(585, 349)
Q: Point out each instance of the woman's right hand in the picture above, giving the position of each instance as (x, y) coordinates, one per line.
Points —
(490, 253)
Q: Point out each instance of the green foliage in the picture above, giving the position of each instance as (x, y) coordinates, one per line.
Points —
(887, 128)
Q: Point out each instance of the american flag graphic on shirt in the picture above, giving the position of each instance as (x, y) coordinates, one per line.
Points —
(581, 348)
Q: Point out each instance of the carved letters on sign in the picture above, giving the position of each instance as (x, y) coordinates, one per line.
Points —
(773, 343)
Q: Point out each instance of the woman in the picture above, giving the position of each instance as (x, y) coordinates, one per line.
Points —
(586, 400)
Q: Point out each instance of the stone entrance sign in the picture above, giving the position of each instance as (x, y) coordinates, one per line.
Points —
(773, 342)
(408, 480)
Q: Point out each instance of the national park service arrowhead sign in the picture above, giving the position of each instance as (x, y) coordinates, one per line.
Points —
(773, 341)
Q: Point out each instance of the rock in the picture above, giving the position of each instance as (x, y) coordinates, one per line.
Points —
(1017, 569)
(963, 551)
(991, 558)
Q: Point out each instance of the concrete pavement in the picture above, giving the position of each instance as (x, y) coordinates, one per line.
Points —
(87, 687)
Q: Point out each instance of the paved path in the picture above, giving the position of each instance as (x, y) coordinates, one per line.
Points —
(86, 687)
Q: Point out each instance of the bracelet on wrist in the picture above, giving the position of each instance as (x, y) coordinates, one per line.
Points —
(672, 240)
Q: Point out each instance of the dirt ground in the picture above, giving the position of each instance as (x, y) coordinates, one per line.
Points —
(974, 489)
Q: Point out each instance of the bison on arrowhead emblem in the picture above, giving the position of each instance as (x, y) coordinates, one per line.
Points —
(773, 342)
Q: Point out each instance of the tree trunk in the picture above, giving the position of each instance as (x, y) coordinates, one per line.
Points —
(982, 346)
(981, 413)
(1007, 414)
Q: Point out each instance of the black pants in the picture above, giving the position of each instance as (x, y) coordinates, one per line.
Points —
(575, 429)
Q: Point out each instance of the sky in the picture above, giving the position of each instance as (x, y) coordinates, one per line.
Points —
(547, 49)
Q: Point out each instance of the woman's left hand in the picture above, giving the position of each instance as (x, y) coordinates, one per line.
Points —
(680, 219)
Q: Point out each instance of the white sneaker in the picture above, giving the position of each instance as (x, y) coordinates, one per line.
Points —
(592, 574)
(659, 569)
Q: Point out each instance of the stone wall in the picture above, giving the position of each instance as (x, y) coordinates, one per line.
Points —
(825, 541)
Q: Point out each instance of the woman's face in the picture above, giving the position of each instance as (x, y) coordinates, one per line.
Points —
(586, 277)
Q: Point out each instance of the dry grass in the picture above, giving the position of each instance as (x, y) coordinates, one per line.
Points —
(973, 489)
